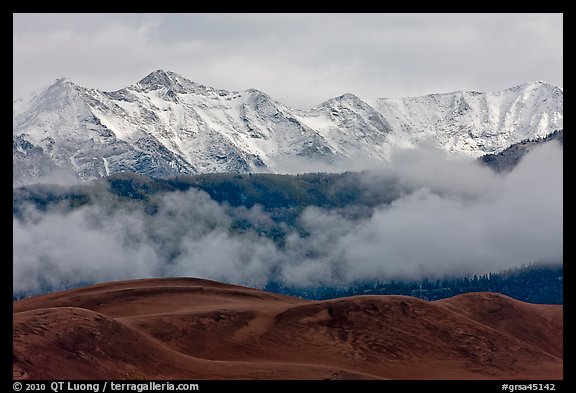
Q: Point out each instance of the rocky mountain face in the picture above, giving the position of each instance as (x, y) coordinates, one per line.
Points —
(166, 125)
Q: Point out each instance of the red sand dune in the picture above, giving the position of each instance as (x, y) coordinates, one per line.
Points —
(198, 329)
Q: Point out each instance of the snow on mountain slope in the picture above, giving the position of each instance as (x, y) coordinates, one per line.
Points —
(64, 121)
(351, 126)
(478, 123)
(166, 124)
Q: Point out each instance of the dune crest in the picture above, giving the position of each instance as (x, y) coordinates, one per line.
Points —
(185, 328)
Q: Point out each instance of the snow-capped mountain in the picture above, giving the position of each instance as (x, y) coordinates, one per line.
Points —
(166, 124)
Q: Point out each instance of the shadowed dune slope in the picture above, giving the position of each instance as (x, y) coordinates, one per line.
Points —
(184, 328)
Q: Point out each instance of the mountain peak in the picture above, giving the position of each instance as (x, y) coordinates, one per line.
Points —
(62, 79)
(544, 84)
(63, 82)
(533, 85)
(171, 81)
(160, 78)
(60, 88)
(537, 83)
(346, 98)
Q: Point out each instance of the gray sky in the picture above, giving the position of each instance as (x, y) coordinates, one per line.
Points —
(298, 59)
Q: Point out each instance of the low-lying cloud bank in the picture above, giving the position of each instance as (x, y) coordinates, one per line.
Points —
(455, 217)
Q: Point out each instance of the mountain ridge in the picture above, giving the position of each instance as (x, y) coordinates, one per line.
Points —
(165, 124)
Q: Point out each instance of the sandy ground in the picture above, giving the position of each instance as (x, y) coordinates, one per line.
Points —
(186, 328)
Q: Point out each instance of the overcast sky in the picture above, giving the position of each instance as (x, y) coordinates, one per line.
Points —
(298, 59)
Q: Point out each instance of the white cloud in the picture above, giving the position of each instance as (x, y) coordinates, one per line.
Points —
(451, 218)
(299, 59)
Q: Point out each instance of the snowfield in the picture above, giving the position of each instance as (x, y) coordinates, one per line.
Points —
(166, 124)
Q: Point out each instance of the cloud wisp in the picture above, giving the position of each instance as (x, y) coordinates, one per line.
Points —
(453, 217)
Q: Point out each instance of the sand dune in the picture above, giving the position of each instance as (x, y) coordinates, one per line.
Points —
(186, 328)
